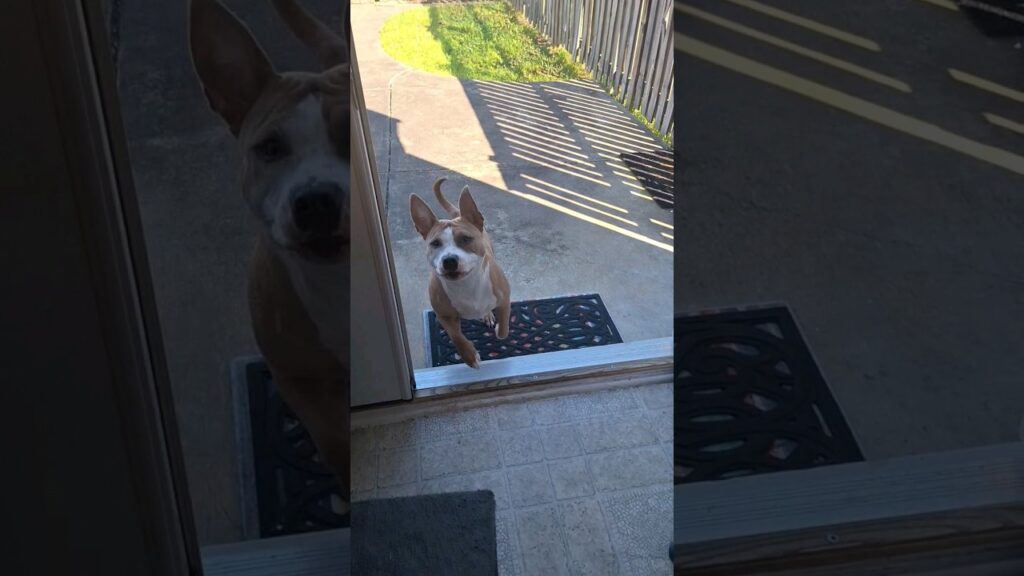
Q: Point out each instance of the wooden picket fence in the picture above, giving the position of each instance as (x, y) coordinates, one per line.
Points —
(625, 44)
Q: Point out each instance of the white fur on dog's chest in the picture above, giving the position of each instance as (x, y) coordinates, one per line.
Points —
(322, 289)
(473, 296)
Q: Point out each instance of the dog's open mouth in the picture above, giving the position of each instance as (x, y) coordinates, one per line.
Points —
(454, 275)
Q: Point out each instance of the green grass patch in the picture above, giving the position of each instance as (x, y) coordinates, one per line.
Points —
(666, 139)
(476, 42)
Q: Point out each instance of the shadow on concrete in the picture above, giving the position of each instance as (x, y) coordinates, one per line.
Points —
(604, 160)
(565, 213)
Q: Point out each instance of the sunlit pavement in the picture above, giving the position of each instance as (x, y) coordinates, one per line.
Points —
(864, 163)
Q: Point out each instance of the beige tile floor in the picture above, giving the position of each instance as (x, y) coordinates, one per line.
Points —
(582, 482)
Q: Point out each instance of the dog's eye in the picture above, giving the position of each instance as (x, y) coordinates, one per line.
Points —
(271, 148)
(435, 243)
(463, 240)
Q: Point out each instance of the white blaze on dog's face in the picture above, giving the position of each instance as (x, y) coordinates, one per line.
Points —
(296, 173)
(451, 250)
(292, 131)
(455, 247)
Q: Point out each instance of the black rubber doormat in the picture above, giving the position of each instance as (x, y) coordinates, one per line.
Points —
(536, 326)
(750, 399)
(655, 170)
(294, 489)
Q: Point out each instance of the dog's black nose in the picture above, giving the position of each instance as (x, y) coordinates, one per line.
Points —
(316, 213)
(450, 263)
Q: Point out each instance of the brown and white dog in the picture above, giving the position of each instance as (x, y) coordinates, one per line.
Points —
(465, 280)
(292, 132)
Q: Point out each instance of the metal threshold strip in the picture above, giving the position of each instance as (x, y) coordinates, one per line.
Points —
(324, 553)
(613, 360)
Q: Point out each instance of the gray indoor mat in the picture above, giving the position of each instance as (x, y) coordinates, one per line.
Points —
(449, 534)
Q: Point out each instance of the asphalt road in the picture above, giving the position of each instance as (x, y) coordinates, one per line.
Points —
(866, 168)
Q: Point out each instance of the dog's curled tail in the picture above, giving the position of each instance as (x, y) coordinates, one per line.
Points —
(452, 211)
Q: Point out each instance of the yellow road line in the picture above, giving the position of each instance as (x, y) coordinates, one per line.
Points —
(851, 104)
(1005, 123)
(669, 236)
(660, 223)
(986, 85)
(592, 220)
(947, 4)
(795, 48)
(812, 25)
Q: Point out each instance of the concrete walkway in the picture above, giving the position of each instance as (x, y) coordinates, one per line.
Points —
(542, 160)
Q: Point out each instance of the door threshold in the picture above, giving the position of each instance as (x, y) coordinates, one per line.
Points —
(309, 554)
(627, 359)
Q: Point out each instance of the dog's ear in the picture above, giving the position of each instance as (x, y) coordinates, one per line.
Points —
(331, 47)
(470, 213)
(232, 67)
(422, 216)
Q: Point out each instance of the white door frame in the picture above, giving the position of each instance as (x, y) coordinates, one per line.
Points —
(82, 100)
(382, 365)
(381, 362)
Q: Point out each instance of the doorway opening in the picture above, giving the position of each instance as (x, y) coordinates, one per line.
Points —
(575, 192)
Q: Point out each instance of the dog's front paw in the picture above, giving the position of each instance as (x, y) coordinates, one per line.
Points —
(474, 362)
(468, 353)
(489, 320)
